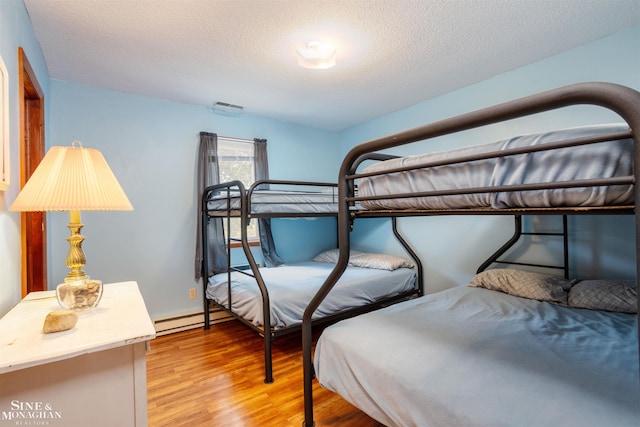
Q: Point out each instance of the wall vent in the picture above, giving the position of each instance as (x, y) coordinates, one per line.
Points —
(227, 109)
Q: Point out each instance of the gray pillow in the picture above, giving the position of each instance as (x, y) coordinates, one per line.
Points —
(609, 295)
(541, 287)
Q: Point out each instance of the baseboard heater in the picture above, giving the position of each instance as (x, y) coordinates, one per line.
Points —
(183, 322)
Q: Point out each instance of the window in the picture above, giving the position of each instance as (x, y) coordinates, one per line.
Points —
(236, 161)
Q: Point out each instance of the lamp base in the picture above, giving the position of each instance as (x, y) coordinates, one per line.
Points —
(79, 294)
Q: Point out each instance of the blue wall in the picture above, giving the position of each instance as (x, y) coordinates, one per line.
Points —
(453, 247)
(15, 32)
(151, 146)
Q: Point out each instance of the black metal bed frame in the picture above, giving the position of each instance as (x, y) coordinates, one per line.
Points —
(235, 190)
(518, 232)
(619, 99)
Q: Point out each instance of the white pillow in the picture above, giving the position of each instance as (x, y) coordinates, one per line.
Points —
(380, 261)
(332, 255)
(366, 260)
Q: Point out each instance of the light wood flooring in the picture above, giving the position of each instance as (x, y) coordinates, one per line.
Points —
(216, 378)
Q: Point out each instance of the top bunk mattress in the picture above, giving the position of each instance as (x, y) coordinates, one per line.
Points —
(277, 202)
(592, 161)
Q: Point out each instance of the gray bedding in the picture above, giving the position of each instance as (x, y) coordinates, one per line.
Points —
(292, 286)
(583, 162)
(476, 357)
(277, 201)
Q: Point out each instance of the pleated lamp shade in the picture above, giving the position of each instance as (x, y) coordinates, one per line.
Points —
(72, 179)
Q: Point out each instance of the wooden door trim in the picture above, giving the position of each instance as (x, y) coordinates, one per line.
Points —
(33, 224)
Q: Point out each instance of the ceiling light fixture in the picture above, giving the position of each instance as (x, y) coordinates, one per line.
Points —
(317, 55)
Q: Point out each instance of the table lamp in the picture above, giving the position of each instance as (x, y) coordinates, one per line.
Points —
(73, 179)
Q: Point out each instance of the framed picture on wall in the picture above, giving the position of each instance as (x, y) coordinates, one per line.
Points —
(4, 127)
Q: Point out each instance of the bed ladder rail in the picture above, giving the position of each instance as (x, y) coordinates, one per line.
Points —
(517, 234)
(414, 256)
(253, 270)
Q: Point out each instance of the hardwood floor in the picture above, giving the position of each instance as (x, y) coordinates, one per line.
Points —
(216, 378)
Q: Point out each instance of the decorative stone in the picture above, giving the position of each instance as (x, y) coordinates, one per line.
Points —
(59, 320)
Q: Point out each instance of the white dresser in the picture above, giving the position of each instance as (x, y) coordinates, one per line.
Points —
(91, 375)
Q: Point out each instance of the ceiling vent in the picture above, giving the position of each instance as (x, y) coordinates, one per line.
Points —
(227, 109)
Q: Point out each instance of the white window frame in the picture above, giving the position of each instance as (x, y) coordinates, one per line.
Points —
(226, 145)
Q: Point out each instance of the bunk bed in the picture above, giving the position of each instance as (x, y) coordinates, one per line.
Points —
(271, 300)
(513, 347)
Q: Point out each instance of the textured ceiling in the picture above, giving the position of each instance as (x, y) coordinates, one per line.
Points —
(391, 53)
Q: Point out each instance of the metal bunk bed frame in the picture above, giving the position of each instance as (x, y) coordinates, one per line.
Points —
(619, 99)
(518, 232)
(244, 213)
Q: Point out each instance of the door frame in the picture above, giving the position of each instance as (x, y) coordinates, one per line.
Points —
(33, 225)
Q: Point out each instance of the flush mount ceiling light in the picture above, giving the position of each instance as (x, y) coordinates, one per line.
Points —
(317, 55)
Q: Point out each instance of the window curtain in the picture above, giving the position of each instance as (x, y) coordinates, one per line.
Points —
(269, 253)
(208, 175)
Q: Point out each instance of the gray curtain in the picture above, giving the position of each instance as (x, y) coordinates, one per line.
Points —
(269, 253)
(208, 175)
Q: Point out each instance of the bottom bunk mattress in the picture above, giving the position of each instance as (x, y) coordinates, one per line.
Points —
(292, 286)
(477, 357)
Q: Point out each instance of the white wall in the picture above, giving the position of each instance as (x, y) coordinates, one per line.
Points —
(15, 31)
(151, 146)
(453, 247)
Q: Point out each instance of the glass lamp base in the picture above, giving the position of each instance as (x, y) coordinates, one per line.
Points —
(80, 294)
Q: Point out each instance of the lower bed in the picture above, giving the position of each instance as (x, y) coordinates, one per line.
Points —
(292, 286)
(476, 357)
